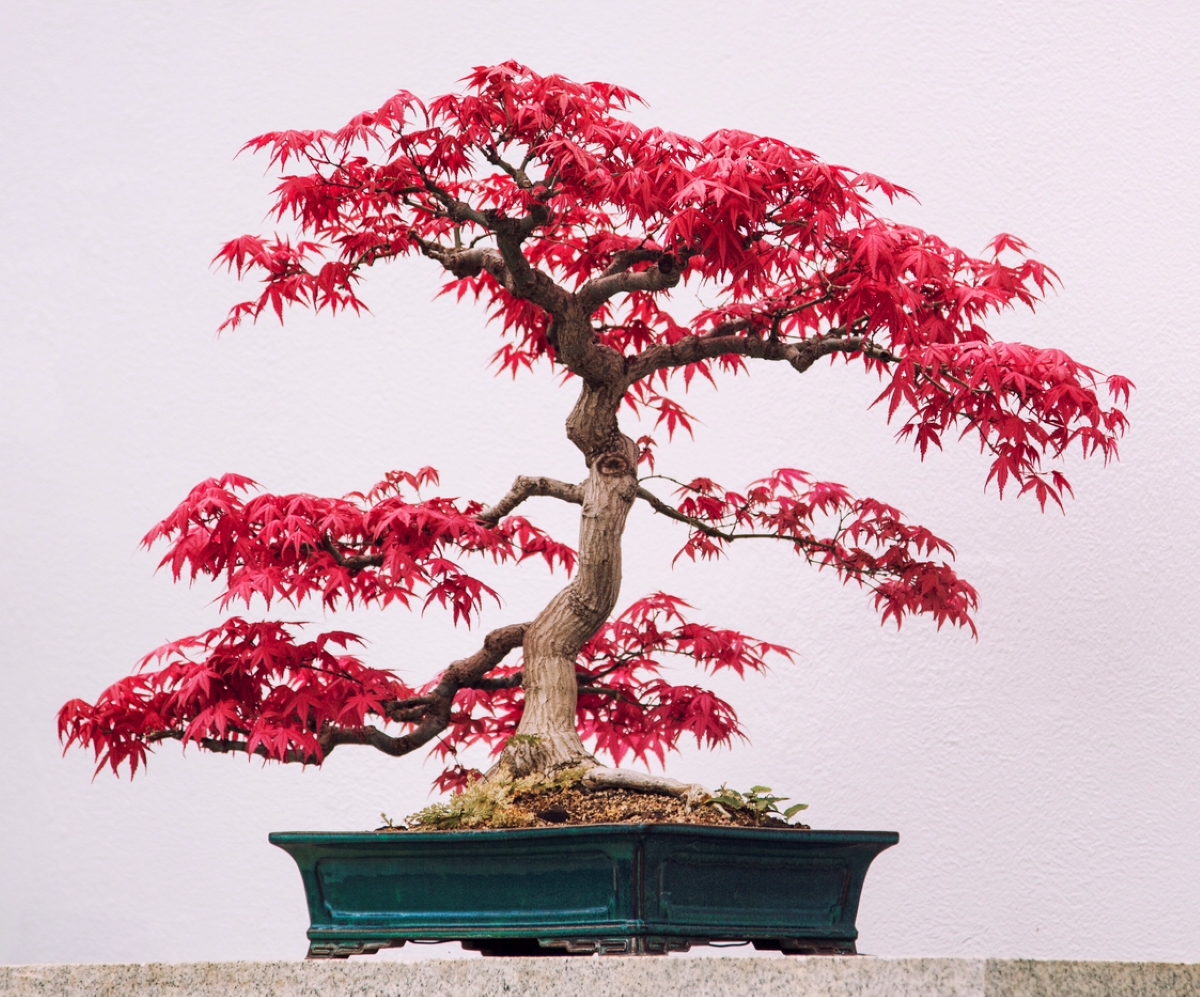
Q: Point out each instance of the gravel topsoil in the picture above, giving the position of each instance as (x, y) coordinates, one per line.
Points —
(578, 805)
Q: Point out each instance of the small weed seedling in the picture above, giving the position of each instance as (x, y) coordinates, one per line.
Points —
(758, 800)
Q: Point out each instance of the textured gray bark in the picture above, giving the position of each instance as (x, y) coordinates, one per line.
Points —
(547, 739)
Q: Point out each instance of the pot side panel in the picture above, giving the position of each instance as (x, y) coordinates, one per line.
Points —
(798, 886)
(498, 889)
(717, 890)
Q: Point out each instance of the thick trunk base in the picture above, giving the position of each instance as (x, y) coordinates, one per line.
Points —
(546, 755)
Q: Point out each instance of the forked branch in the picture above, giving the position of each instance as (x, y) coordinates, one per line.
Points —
(434, 714)
(462, 674)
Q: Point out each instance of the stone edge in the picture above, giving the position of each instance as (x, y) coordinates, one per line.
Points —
(611, 976)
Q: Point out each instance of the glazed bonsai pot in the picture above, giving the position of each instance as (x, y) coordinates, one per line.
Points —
(582, 889)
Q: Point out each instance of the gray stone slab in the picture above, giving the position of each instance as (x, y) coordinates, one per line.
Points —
(612, 976)
(1030, 978)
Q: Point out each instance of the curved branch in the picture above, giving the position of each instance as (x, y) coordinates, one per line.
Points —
(463, 262)
(226, 745)
(807, 544)
(507, 264)
(429, 712)
(623, 259)
(464, 672)
(461, 674)
(609, 284)
(389, 745)
(801, 355)
(527, 487)
(332, 736)
(523, 279)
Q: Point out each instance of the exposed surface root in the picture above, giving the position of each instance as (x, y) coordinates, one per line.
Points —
(605, 778)
(545, 756)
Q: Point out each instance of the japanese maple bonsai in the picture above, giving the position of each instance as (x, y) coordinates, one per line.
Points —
(538, 196)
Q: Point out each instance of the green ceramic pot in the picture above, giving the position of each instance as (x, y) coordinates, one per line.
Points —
(580, 889)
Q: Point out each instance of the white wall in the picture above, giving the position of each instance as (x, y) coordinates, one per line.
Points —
(1043, 780)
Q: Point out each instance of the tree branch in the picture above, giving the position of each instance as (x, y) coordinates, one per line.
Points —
(661, 507)
(352, 564)
(409, 711)
(801, 355)
(524, 280)
(623, 259)
(461, 674)
(330, 738)
(226, 745)
(527, 487)
(609, 284)
(430, 712)
(493, 685)
(507, 263)
(463, 262)
(520, 177)
(389, 745)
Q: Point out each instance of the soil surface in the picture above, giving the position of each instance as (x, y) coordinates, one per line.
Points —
(578, 805)
(620, 806)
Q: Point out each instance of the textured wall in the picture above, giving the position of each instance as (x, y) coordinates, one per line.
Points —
(1042, 779)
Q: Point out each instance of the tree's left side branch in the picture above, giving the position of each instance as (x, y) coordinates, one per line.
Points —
(430, 712)
(528, 487)
(329, 739)
(507, 265)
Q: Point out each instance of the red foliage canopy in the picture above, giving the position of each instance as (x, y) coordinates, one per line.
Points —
(800, 266)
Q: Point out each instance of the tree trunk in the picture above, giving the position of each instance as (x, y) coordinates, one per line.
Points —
(547, 740)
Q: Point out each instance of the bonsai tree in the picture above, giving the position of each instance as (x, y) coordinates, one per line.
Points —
(539, 197)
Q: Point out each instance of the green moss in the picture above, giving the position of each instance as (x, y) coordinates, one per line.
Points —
(490, 803)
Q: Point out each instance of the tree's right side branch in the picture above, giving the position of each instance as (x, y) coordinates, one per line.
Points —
(807, 544)
(661, 507)
(623, 259)
(800, 354)
(619, 279)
